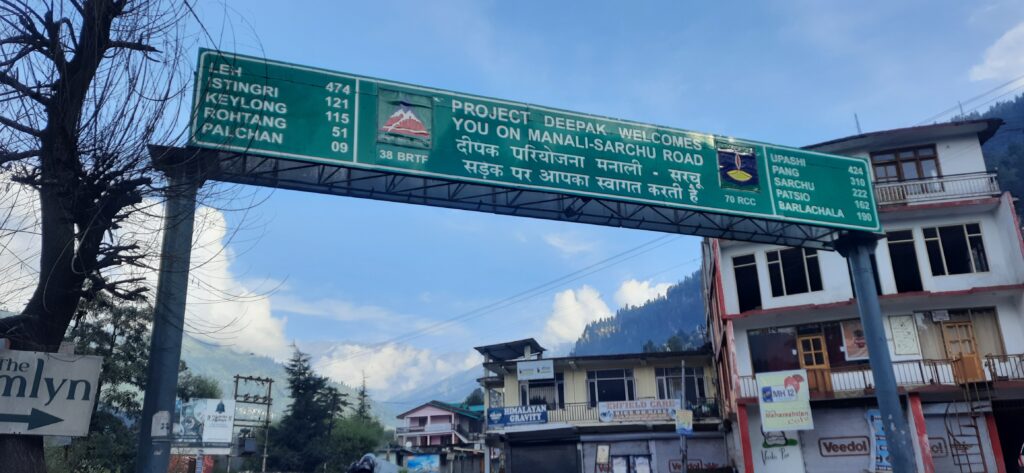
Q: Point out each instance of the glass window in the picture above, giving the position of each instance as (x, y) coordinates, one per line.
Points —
(904, 261)
(793, 271)
(670, 382)
(956, 249)
(610, 385)
(748, 288)
(549, 392)
(773, 349)
(906, 164)
(695, 389)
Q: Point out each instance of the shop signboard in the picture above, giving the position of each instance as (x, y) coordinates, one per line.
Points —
(424, 464)
(246, 104)
(645, 410)
(517, 415)
(535, 369)
(784, 401)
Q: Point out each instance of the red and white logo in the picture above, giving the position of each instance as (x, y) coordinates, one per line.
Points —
(405, 122)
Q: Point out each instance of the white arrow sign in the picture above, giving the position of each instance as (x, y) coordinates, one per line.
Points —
(47, 393)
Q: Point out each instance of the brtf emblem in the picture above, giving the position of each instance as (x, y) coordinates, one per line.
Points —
(404, 119)
(737, 167)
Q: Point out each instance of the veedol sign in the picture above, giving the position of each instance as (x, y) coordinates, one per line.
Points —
(253, 105)
(47, 393)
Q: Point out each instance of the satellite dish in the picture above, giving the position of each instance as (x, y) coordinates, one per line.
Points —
(408, 444)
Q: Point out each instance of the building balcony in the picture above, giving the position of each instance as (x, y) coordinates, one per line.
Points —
(937, 189)
(435, 428)
(855, 381)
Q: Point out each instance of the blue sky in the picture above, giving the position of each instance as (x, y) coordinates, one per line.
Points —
(346, 272)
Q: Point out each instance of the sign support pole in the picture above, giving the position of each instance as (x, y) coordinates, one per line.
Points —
(185, 174)
(683, 443)
(857, 248)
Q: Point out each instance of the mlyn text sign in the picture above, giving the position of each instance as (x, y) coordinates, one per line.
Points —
(253, 105)
(47, 393)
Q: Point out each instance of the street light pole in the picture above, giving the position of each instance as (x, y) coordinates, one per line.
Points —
(858, 247)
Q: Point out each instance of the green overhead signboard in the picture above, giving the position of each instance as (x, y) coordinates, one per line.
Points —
(259, 106)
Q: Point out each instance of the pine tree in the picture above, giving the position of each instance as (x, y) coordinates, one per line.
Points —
(362, 402)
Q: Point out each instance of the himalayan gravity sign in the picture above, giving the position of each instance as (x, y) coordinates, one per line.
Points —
(785, 401)
(47, 393)
(517, 415)
(253, 105)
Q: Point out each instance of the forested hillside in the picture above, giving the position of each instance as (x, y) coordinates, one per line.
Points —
(679, 313)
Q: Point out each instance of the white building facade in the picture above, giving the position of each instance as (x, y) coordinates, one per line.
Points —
(950, 274)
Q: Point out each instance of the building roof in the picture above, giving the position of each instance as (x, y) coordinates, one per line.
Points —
(704, 351)
(509, 350)
(983, 128)
(473, 412)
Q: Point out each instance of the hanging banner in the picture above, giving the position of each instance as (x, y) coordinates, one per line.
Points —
(684, 422)
(785, 402)
(638, 411)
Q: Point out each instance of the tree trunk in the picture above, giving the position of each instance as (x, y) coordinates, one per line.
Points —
(22, 454)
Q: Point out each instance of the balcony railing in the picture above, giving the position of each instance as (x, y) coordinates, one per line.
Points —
(931, 189)
(854, 380)
(422, 429)
(1005, 367)
(582, 413)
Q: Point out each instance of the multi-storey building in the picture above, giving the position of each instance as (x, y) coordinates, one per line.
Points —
(450, 431)
(608, 413)
(950, 272)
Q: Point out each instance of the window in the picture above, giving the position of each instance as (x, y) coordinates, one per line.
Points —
(695, 389)
(956, 249)
(905, 164)
(548, 392)
(904, 261)
(670, 382)
(794, 271)
(610, 385)
(748, 288)
(773, 349)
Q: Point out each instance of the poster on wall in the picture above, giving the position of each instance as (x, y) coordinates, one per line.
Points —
(880, 462)
(785, 402)
(203, 424)
(854, 343)
(424, 464)
(904, 335)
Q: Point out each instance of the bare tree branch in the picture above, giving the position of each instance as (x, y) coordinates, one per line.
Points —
(18, 126)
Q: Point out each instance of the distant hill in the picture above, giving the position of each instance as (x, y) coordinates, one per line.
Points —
(680, 312)
(223, 363)
(1004, 152)
(453, 388)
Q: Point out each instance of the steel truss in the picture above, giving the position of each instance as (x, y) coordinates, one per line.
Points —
(340, 180)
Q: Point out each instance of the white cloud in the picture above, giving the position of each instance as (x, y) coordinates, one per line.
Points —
(568, 243)
(1003, 60)
(634, 293)
(391, 369)
(570, 314)
(331, 308)
(220, 308)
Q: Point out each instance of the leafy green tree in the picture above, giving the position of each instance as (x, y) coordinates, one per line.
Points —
(475, 398)
(675, 343)
(193, 386)
(650, 347)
